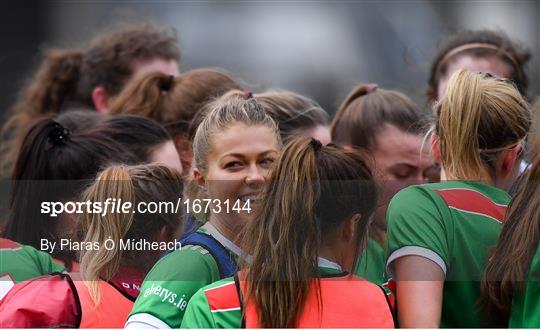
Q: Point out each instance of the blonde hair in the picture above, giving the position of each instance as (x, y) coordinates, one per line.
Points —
(231, 108)
(129, 184)
(479, 116)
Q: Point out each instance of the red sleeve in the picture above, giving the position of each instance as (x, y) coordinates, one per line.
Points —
(49, 301)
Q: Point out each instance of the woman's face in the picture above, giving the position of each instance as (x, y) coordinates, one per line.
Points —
(238, 166)
(167, 154)
(401, 161)
(488, 64)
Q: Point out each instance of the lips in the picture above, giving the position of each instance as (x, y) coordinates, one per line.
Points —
(252, 198)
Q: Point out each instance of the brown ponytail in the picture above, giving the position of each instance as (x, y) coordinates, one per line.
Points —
(365, 111)
(173, 101)
(54, 83)
(146, 97)
(312, 190)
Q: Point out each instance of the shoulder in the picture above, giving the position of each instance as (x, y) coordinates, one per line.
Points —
(416, 194)
(23, 262)
(221, 295)
(214, 306)
(186, 264)
(170, 285)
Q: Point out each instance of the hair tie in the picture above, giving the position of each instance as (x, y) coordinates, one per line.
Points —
(315, 144)
(59, 135)
(167, 83)
(370, 88)
(247, 94)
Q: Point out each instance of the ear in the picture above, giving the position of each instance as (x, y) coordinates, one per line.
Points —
(199, 178)
(185, 150)
(436, 148)
(164, 234)
(510, 160)
(349, 228)
(100, 98)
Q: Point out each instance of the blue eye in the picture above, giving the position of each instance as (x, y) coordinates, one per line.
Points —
(267, 161)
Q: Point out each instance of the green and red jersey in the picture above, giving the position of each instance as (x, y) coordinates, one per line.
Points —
(454, 224)
(347, 301)
(22, 262)
(371, 264)
(174, 279)
(526, 304)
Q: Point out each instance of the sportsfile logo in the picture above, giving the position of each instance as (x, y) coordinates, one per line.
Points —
(166, 296)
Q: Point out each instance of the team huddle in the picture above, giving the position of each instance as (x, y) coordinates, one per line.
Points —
(385, 215)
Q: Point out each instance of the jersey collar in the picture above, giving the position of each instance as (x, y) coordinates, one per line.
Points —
(325, 263)
(212, 231)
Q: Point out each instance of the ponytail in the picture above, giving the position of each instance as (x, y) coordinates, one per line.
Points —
(114, 182)
(54, 83)
(478, 116)
(367, 110)
(335, 127)
(313, 189)
(147, 97)
(133, 184)
(279, 277)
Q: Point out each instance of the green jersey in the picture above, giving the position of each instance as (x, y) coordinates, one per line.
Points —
(173, 280)
(526, 305)
(454, 224)
(22, 262)
(371, 265)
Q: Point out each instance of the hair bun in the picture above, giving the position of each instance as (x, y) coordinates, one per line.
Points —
(370, 88)
(59, 134)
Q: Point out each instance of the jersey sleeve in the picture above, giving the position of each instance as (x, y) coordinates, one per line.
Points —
(45, 302)
(44, 261)
(169, 286)
(418, 224)
(198, 314)
(22, 262)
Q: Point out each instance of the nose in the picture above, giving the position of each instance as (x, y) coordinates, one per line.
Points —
(255, 175)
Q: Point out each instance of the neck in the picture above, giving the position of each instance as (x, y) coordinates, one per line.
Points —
(484, 178)
(330, 254)
(230, 233)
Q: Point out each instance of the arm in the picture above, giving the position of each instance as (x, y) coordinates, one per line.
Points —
(169, 286)
(419, 286)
